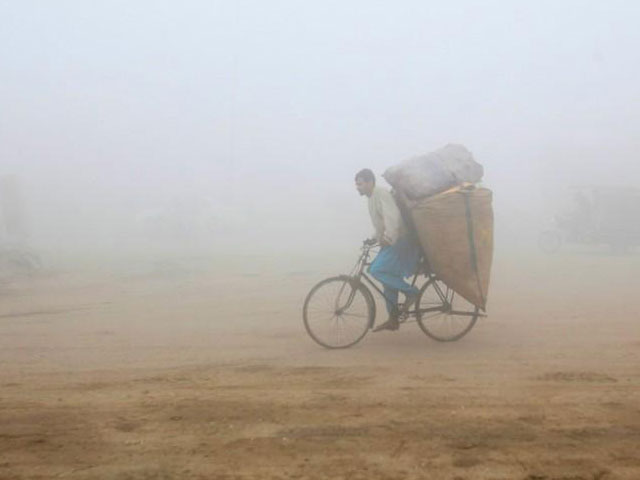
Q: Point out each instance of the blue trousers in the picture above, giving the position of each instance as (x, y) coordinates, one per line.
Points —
(391, 266)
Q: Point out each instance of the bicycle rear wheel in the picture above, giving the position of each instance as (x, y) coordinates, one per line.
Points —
(443, 314)
(337, 312)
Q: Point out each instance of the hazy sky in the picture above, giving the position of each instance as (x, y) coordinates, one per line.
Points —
(248, 101)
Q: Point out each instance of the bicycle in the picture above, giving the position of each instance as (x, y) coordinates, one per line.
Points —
(339, 311)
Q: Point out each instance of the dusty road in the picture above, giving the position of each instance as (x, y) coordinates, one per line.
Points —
(167, 371)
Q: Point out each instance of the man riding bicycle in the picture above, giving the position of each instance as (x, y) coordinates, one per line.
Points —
(399, 254)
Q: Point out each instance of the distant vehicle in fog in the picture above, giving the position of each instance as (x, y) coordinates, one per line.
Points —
(189, 217)
(598, 216)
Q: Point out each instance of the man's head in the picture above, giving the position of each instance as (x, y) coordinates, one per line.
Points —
(365, 182)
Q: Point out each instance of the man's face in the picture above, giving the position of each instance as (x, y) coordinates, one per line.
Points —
(364, 187)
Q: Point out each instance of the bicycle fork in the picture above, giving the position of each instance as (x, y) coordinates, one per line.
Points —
(340, 309)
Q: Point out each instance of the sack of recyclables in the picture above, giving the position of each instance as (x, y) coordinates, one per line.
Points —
(453, 218)
(434, 172)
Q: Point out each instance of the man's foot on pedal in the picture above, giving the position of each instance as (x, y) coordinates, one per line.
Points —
(391, 324)
(409, 302)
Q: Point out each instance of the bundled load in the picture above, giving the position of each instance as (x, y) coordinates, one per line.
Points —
(435, 172)
(453, 218)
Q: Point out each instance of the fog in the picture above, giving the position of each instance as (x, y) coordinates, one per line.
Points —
(176, 177)
(248, 120)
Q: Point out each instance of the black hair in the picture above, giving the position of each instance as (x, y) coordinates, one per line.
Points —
(366, 175)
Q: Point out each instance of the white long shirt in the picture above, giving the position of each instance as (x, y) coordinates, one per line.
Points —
(385, 216)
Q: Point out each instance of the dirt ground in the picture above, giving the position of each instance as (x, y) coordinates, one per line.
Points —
(179, 369)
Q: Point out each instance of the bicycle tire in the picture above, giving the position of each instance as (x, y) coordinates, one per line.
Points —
(458, 324)
(333, 321)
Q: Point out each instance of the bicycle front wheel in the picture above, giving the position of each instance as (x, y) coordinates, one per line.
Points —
(337, 312)
(443, 314)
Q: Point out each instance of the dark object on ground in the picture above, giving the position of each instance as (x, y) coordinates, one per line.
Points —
(18, 261)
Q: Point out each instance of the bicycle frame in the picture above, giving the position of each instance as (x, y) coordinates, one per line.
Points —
(359, 273)
(434, 310)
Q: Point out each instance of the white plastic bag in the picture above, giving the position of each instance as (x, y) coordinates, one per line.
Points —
(435, 172)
